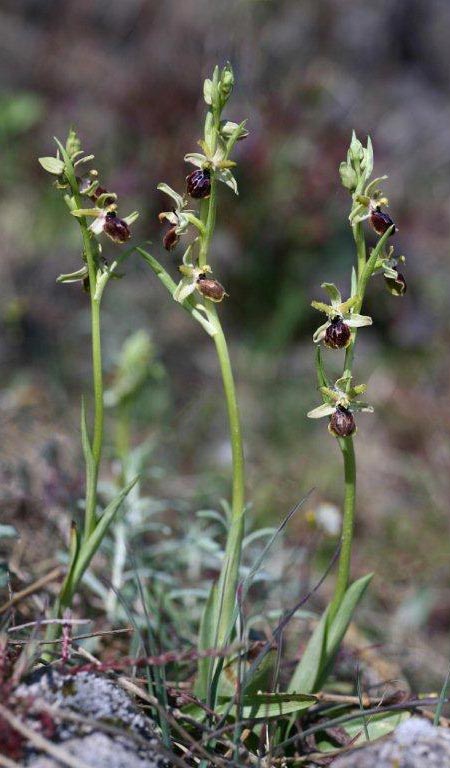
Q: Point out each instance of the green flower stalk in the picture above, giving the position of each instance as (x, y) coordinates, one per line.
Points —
(94, 274)
(340, 401)
(199, 292)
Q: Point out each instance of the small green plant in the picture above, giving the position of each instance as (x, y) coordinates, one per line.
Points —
(199, 292)
(80, 186)
(341, 399)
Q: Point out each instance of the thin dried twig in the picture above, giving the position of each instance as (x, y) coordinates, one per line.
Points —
(34, 587)
(42, 622)
(88, 636)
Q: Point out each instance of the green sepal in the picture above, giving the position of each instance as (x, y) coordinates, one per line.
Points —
(178, 199)
(326, 409)
(333, 292)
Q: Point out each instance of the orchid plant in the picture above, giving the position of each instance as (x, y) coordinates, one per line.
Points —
(340, 401)
(80, 186)
(199, 292)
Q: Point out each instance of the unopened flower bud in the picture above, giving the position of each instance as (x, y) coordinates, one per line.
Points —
(102, 191)
(198, 183)
(116, 229)
(171, 239)
(210, 288)
(226, 83)
(338, 334)
(396, 285)
(381, 221)
(342, 422)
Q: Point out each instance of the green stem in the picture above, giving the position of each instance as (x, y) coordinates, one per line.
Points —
(122, 438)
(97, 375)
(233, 418)
(208, 217)
(358, 235)
(346, 444)
(230, 568)
(228, 580)
(348, 453)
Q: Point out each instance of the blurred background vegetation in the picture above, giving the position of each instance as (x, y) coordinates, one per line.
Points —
(128, 75)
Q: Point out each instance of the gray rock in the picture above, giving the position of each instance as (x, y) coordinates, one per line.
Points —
(414, 744)
(111, 731)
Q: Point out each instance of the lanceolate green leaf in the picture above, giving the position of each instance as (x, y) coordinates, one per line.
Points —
(271, 705)
(325, 641)
(208, 628)
(89, 547)
(308, 669)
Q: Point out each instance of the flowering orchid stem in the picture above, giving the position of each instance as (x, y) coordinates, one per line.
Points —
(346, 444)
(365, 269)
(75, 574)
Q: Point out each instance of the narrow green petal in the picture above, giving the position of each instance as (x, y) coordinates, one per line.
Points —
(346, 306)
(322, 307)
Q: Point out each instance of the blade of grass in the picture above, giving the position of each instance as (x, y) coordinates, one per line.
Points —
(442, 698)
